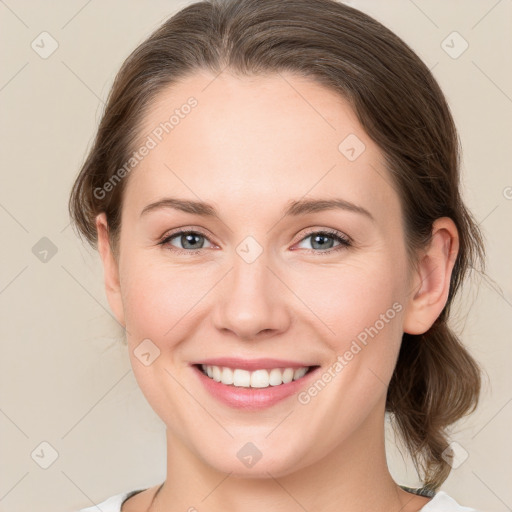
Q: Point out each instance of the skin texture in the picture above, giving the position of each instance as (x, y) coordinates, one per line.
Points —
(249, 147)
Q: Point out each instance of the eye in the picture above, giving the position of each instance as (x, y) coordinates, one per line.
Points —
(323, 240)
(191, 241)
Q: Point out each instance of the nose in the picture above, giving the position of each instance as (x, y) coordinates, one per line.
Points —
(252, 301)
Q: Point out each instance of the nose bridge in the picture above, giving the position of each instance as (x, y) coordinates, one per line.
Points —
(252, 296)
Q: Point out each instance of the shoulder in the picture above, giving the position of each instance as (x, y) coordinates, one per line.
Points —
(112, 504)
(441, 502)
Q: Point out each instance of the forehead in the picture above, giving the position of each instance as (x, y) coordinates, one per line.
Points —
(262, 139)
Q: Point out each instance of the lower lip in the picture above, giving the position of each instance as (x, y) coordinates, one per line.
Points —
(253, 398)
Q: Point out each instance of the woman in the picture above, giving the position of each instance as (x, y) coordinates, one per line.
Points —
(274, 193)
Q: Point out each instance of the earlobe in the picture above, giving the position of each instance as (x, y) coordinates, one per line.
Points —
(431, 281)
(110, 269)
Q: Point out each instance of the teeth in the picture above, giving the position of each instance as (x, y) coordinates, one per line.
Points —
(256, 379)
(241, 378)
(299, 373)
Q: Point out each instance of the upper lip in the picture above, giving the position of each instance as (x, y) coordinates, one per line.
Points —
(252, 364)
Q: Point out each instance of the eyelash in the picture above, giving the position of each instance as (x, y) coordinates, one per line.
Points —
(344, 241)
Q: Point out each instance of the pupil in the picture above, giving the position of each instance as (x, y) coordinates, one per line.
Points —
(188, 238)
(321, 237)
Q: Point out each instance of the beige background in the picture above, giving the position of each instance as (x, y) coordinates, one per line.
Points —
(65, 377)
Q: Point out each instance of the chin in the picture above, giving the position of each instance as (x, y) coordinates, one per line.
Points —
(252, 460)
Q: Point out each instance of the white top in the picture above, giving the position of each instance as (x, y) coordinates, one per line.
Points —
(441, 502)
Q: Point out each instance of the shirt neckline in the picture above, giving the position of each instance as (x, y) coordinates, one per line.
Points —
(422, 491)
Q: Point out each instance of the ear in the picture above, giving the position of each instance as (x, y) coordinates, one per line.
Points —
(431, 280)
(110, 269)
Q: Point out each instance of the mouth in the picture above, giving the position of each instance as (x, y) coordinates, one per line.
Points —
(258, 378)
(253, 384)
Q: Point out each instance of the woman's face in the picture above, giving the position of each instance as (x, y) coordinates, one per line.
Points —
(257, 284)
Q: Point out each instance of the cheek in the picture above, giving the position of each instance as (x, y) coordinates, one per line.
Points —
(159, 299)
(159, 309)
(349, 300)
(361, 309)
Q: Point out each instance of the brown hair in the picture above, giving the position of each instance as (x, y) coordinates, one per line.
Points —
(400, 106)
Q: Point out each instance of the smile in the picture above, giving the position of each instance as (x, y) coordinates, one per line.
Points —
(260, 378)
(253, 384)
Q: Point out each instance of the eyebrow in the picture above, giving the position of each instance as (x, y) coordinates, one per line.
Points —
(293, 208)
